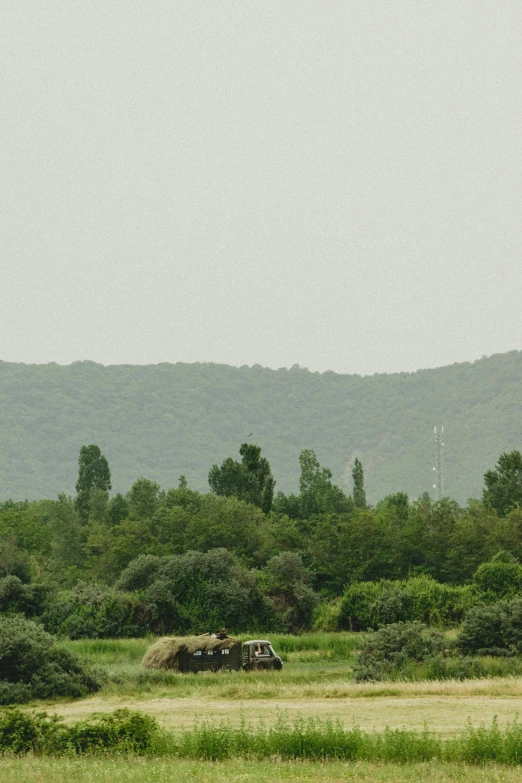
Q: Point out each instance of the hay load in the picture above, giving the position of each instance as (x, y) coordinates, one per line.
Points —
(193, 653)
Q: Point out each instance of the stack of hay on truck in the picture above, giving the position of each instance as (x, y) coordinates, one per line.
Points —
(193, 654)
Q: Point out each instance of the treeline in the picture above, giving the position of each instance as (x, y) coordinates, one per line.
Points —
(247, 557)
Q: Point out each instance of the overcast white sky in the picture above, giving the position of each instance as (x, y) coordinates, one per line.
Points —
(330, 183)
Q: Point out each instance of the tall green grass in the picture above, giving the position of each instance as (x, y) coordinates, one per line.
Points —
(132, 733)
(330, 646)
(321, 740)
(110, 652)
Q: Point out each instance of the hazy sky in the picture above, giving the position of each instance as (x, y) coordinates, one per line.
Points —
(330, 183)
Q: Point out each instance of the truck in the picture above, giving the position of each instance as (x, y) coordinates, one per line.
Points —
(192, 654)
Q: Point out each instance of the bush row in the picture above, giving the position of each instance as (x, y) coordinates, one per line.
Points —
(188, 593)
(129, 732)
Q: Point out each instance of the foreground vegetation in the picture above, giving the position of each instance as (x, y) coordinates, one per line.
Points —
(128, 732)
(131, 770)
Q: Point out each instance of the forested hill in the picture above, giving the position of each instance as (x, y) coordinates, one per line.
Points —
(165, 420)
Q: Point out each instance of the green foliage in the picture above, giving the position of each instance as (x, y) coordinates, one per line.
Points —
(17, 597)
(127, 732)
(359, 495)
(494, 629)
(91, 610)
(326, 616)
(33, 666)
(318, 494)
(457, 667)
(286, 581)
(123, 730)
(21, 732)
(503, 485)
(14, 561)
(198, 592)
(143, 499)
(67, 539)
(500, 578)
(389, 649)
(250, 480)
(93, 474)
(118, 509)
(372, 604)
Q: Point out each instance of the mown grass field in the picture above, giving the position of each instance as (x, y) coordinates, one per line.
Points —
(316, 682)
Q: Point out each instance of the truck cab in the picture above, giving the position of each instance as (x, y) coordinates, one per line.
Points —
(259, 654)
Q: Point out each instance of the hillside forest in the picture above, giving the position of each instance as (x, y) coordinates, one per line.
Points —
(245, 556)
(164, 420)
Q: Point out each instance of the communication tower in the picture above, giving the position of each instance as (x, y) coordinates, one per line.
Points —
(440, 476)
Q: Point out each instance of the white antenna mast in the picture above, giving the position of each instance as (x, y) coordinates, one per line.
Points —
(440, 477)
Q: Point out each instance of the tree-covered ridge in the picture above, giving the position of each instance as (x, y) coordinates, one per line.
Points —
(165, 420)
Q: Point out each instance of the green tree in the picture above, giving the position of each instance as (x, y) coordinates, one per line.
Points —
(143, 498)
(359, 495)
(250, 480)
(503, 488)
(93, 473)
(118, 509)
(68, 538)
(318, 494)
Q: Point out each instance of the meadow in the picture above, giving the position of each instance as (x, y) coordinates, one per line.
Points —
(316, 683)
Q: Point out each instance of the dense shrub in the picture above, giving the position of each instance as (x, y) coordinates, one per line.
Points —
(122, 730)
(286, 581)
(326, 616)
(21, 732)
(372, 604)
(17, 597)
(198, 591)
(494, 629)
(385, 651)
(500, 578)
(33, 666)
(95, 611)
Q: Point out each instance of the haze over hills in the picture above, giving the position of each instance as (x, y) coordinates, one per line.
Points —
(164, 420)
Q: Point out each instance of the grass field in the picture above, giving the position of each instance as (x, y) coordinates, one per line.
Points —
(316, 682)
(121, 770)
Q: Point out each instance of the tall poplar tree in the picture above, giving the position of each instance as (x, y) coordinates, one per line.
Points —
(93, 473)
(359, 495)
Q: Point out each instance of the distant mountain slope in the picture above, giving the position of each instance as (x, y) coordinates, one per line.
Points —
(163, 420)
